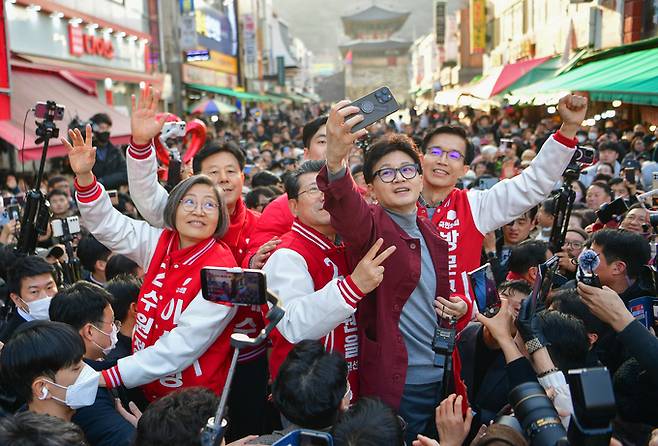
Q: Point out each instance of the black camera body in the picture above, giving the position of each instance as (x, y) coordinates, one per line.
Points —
(594, 406)
(443, 344)
(614, 209)
(583, 155)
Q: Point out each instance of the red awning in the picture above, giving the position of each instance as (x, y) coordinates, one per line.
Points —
(500, 78)
(30, 87)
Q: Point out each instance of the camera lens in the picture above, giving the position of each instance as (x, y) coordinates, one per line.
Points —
(385, 91)
(537, 414)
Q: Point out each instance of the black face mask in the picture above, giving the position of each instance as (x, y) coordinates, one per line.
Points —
(102, 137)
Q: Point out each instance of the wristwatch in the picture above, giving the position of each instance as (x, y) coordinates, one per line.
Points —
(491, 255)
(533, 345)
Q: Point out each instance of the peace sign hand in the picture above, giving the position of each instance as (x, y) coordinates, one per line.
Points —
(369, 273)
(82, 156)
(144, 126)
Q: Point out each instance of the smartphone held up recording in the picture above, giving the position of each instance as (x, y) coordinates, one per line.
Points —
(233, 286)
(374, 106)
(483, 284)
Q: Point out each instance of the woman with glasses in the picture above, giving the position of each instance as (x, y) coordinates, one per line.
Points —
(574, 242)
(398, 321)
(180, 339)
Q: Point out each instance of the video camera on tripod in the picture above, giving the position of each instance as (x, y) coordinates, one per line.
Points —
(65, 230)
(36, 212)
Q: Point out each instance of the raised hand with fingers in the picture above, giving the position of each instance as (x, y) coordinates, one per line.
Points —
(369, 273)
(144, 126)
(572, 109)
(453, 427)
(82, 156)
(340, 138)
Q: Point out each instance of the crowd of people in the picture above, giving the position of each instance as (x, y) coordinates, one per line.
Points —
(367, 238)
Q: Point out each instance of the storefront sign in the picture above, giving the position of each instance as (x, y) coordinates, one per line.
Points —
(478, 25)
(195, 75)
(440, 21)
(80, 43)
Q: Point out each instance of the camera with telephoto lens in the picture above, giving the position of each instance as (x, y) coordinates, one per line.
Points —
(538, 417)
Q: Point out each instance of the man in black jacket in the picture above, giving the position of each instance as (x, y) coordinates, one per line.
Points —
(110, 167)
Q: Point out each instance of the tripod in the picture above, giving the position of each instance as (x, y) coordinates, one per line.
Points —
(564, 200)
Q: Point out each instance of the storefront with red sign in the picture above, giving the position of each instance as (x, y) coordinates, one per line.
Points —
(98, 63)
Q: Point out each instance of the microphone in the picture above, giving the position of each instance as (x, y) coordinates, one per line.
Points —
(588, 260)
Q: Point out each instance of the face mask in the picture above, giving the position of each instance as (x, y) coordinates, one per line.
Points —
(82, 392)
(592, 136)
(102, 137)
(581, 139)
(37, 310)
(113, 339)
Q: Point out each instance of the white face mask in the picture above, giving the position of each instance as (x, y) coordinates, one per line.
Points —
(581, 138)
(592, 136)
(36, 310)
(81, 393)
(114, 338)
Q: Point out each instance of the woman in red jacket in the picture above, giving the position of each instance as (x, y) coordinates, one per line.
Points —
(180, 339)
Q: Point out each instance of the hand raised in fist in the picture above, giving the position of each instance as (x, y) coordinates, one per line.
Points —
(572, 109)
(369, 273)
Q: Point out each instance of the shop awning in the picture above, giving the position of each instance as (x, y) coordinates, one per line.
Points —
(631, 77)
(501, 78)
(30, 87)
(448, 97)
(243, 95)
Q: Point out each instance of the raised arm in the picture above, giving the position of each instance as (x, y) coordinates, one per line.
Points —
(123, 235)
(145, 190)
(351, 215)
(510, 198)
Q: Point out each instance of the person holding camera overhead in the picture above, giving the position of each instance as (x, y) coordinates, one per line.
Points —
(180, 339)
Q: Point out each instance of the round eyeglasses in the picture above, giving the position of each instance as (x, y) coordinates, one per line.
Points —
(454, 155)
(388, 174)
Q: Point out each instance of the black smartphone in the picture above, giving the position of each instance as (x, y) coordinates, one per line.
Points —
(374, 106)
(629, 174)
(233, 286)
(543, 282)
(483, 284)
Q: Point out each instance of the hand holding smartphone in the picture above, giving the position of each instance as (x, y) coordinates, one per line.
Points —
(374, 106)
(233, 286)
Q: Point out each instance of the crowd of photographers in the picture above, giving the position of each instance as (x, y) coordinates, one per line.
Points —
(367, 237)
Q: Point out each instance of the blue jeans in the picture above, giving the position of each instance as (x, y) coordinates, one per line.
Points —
(417, 407)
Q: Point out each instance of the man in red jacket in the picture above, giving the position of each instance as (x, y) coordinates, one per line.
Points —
(463, 217)
(277, 218)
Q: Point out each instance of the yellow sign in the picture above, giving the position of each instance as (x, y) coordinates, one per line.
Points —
(219, 62)
(478, 26)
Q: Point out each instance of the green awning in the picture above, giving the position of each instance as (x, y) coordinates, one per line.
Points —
(243, 95)
(631, 77)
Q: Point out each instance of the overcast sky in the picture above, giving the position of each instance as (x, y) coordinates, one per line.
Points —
(317, 22)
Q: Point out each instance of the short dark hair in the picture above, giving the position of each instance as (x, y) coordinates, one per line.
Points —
(469, 150)
(292, 180)
(251, 200)
(358, 168)
(37, 429)
(548, 205)
(368, 423)
(176, 418)
(24, 267)
(567, 337)
(311, 128)
(38, 348)
(568, 301)
(215, 147)
(119, 264)
(310, 385)
(385, 145)
(265, 178)
(56, 179)
(79, 304)
(629, 247)
(603, 185)
(101, 118)
(527, 254)
(515, 285)
(125, 291)
(90, 251)
(55, 192)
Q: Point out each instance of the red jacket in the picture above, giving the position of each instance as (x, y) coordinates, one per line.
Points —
(275, 220)
(383, 354)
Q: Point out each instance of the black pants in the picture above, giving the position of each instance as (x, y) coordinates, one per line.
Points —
(247, 400)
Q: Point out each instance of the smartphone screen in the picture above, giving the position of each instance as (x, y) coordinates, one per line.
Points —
(487, 183)
(629, 173)
(233, 286)
(483, 284)
(543, 281)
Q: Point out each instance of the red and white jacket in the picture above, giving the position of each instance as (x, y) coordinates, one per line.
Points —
(309, 273)
(180, 339)
(465, 216)
(151, 198)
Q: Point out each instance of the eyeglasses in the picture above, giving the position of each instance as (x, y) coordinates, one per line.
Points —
(454, 155)
(117, 324)
(388, 174)
(190, 205)
(575, 245)
(313, 190)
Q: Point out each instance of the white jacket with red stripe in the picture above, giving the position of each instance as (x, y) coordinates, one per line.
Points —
(197, 327)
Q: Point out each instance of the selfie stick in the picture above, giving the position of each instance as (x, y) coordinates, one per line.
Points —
(213, 433)
(35, 214)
